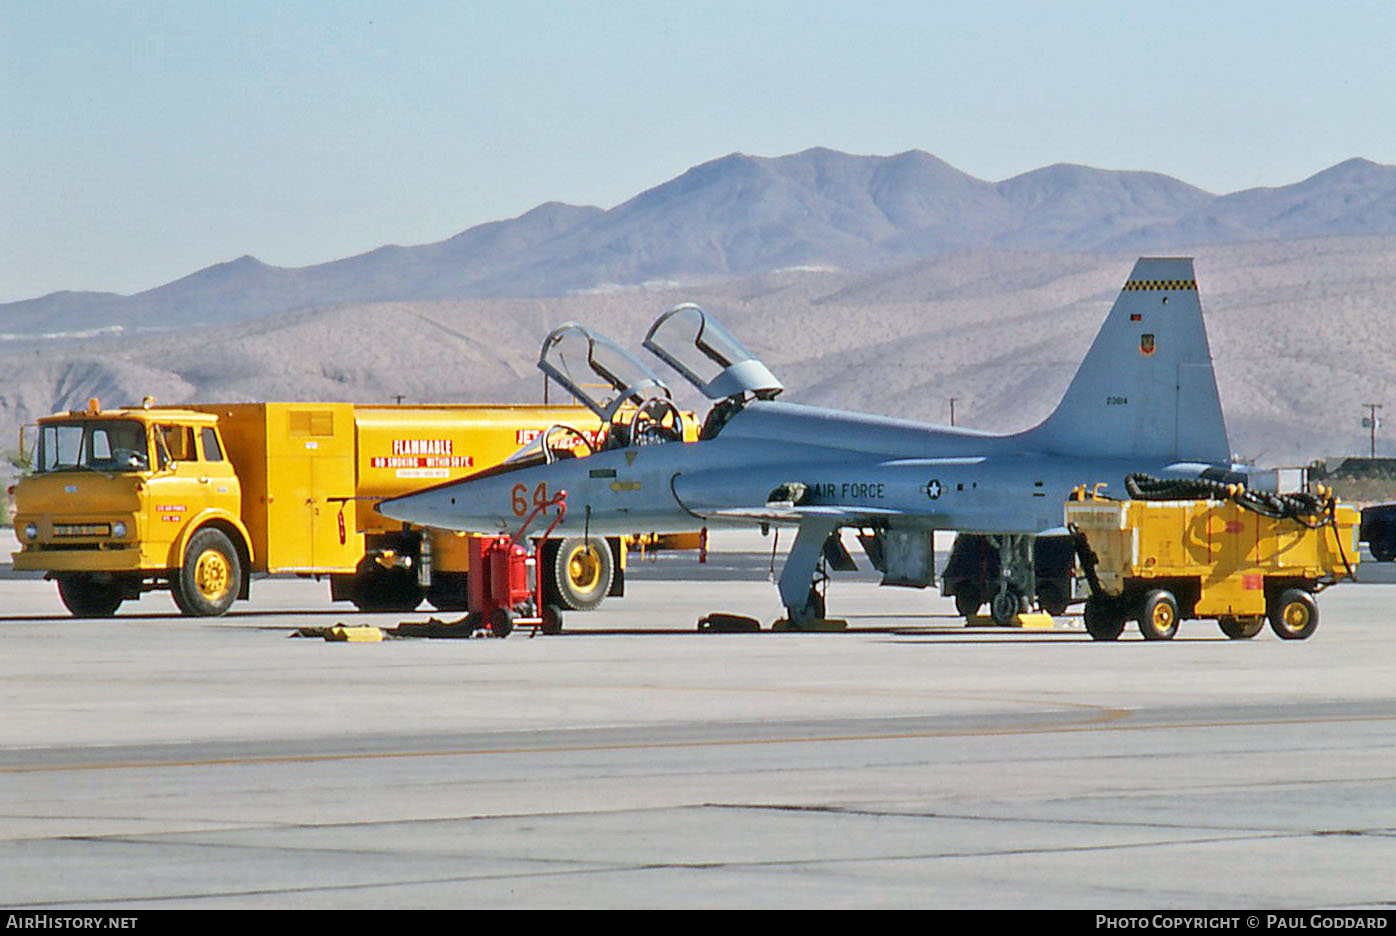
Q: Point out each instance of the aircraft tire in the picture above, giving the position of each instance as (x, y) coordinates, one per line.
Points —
(1294, 615)
(1005, 606)
(87, 597)
(797, 618)
(580, 572)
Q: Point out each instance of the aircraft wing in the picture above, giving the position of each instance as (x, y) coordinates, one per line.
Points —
(768, 495)
(777, 514)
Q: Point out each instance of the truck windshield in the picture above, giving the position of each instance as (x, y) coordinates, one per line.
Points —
(97, 445)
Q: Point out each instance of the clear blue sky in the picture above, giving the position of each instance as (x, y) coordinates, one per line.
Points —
(141, 140)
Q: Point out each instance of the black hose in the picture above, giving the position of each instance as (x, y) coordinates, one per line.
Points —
(1308, 510)
(1088, 559)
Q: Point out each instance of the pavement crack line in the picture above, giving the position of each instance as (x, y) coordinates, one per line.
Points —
(718, 865)
(1239, 831)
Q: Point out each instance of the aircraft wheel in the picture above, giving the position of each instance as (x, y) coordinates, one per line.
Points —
(208, 582)
(812, 611)
(1104, 621)
(1005, 607)
(1158, 620)
(968, 600)
(580, 573)
(1241, 628)
(88, 597)
(1294, 615)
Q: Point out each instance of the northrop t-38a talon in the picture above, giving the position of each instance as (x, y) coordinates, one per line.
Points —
(1143, 400)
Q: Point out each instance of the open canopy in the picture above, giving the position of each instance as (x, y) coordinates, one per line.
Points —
(598, 372)
(708, 355)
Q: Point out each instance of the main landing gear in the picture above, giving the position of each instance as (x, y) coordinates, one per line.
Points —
(1016, 577)
(802, 575)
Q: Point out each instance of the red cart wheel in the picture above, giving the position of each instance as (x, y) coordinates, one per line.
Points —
(501, 622)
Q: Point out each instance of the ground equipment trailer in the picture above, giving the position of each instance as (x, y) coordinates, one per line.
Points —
(1233, 556)
(1379, 531)
(198, 498)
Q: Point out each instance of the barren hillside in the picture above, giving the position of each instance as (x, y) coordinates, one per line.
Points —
(1301, 335)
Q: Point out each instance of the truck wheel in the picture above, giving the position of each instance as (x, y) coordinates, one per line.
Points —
(581, 573)
(1294, 615)
(1158, 619)
(1104, 620)
(1241, 628)
(449, 591)
(209, 580)
(87, 597)
(380, 589)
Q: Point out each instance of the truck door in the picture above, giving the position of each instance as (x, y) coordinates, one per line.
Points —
(180, 488)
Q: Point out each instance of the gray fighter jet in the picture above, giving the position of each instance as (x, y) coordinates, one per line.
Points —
(1143, 400)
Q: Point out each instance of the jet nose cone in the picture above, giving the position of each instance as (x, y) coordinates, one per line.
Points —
(467, 506)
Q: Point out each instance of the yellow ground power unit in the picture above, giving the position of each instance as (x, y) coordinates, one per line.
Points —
(1178, 550)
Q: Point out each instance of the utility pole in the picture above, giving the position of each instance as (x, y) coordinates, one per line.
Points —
(1371, 423)
(952, 410)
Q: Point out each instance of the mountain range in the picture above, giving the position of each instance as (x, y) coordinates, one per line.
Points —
(887, 285)
(742, 216)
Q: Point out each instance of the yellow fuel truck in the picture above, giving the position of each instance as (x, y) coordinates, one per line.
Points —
(198, 498)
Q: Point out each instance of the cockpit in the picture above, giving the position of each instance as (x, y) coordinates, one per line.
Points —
(634, 405)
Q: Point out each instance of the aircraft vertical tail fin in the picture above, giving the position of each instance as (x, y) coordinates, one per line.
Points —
(1146, 388)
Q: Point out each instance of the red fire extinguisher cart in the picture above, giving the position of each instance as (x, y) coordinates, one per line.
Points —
(505, 585)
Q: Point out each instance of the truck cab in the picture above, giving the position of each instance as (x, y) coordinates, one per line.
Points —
(129, 500)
